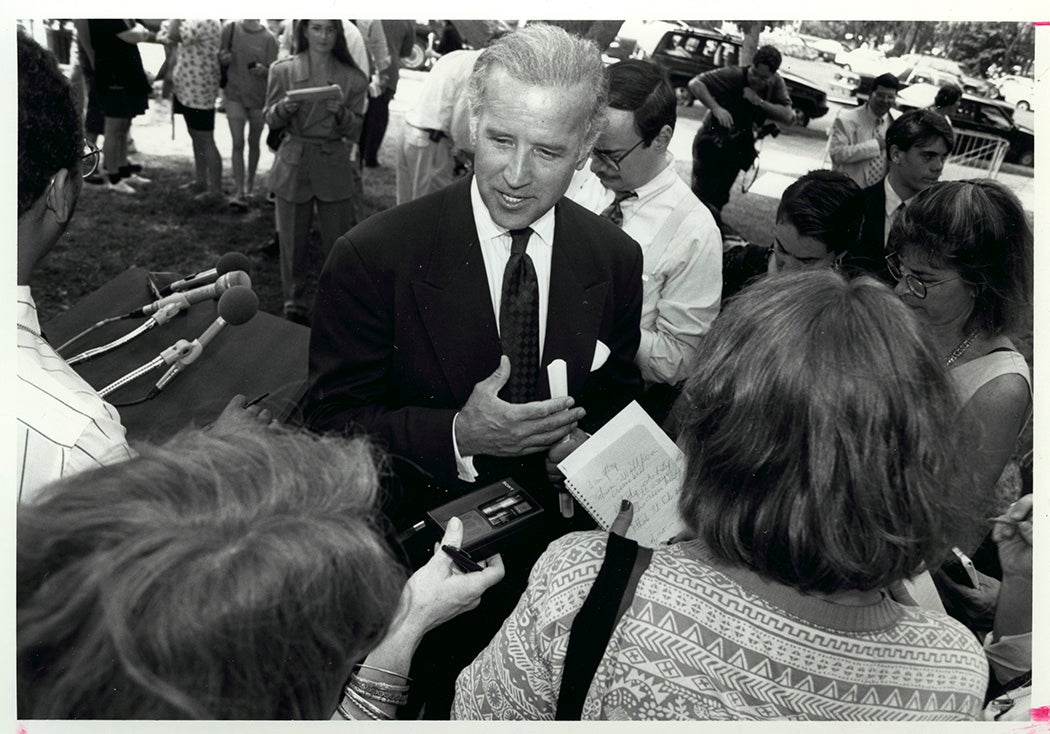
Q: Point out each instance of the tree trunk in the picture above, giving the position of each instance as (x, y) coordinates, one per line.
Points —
(751, 30)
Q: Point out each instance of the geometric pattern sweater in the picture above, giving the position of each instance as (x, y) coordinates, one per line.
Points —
(705, 641)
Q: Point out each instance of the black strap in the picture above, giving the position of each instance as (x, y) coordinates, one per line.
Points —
(601, 611)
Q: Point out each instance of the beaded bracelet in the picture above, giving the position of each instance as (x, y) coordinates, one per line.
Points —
(394, 695)
(380, 685)
(370, 710)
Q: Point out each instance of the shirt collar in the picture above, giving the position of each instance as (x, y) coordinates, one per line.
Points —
(26, 309)
(892, 199)
(871, 115)
(488, 229)
(658, 183)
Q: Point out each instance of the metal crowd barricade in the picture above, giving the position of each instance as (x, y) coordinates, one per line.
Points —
(975, 155)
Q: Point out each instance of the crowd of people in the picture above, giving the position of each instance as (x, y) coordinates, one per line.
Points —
(846, 400)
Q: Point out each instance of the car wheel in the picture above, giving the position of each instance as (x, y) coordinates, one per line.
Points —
(683, 96)
(417, 59)
(1023, 105)
(1026, 159)
(801, 116)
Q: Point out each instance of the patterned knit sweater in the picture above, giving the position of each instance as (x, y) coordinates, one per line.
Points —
(703, 641)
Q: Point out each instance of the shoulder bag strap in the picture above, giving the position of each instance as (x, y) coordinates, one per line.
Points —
(609, 598)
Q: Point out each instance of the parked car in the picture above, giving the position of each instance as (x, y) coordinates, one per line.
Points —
(980, 114)
(863, 60)
(969, 83)
(826, 48)
(686, 52)
(1017, 91)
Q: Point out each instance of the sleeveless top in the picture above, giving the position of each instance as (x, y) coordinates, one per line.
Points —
(971, 376)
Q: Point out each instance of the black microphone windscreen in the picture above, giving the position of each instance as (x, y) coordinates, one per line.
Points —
(238, 304)
(233, 261)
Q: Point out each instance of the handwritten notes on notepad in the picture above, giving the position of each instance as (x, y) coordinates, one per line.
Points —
(629, 458)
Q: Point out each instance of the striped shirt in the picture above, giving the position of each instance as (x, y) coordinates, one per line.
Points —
(64, 427)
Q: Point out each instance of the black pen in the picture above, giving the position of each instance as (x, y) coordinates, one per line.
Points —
(462, 560)
(253, 401)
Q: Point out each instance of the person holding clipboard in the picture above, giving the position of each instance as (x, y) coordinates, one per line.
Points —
(315, 164)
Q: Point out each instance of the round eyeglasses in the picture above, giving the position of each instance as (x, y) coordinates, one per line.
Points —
(89, 159)
(915, 285)
(614, 163)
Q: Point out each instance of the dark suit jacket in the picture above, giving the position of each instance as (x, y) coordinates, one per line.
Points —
(404, 326)
(870, 256)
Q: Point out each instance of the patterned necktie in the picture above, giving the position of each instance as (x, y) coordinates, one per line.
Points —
(876, 168)
(519, 320)
(613, 212)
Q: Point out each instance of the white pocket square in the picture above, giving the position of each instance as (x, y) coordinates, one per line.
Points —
(601, 353)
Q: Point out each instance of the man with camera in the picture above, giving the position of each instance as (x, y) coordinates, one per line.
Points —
(738, 99)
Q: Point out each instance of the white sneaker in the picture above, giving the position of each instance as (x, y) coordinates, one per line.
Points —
(138, 180)
(120, 187)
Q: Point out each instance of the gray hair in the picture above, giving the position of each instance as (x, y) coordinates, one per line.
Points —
(548, 56)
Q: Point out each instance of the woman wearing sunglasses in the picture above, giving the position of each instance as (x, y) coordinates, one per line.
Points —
(961, 254)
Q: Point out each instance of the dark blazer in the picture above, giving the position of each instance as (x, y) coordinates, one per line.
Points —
(870, 256)
(404, 326)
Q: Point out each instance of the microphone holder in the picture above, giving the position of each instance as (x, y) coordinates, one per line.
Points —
(182, 351)
(163, 316)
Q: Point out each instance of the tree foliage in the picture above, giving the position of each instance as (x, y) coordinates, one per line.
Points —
(977, 45)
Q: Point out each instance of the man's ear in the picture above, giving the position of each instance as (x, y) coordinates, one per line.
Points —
(663, 138)
(895, 154)
(62, 195)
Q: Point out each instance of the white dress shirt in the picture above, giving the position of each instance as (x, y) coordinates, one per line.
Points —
(495, 241)
(64, 427)
(682, 277)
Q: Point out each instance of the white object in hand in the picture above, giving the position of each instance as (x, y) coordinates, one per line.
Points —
(558, 378)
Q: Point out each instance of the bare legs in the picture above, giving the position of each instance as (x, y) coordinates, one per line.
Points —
(254, 120)
(207, 161)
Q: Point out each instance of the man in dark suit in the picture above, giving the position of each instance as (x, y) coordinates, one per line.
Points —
(433, 330)
(917, 145)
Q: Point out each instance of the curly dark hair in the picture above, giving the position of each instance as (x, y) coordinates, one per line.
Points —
(50, 134)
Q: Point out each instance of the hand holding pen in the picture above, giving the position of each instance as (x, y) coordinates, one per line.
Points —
(440, 590)
(1012, 532)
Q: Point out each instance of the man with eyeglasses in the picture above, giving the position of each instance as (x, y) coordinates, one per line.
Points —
(632, 182)
(740, 99)
(63, 425)
(857, 140)
(917, 146)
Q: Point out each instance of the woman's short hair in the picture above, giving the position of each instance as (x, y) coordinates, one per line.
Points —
(546, 56)
(826, 205)
(948, 94)
(642, 88)
(979, 228)
(816, 427)
(340, 50)
(50, 134)
(222, 575)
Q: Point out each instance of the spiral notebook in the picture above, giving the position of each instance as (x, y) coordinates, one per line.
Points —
(630, 457)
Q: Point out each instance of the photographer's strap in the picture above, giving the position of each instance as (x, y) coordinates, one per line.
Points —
(606, 603)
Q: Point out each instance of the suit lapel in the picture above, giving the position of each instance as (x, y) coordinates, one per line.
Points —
(574, 309)
(453, 298)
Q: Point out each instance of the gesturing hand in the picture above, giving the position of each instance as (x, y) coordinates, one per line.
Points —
(490, 426)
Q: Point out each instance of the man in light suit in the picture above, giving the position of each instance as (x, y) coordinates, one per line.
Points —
(857, 140)
(411, 339)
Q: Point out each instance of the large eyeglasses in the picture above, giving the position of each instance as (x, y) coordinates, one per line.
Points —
(613, 163)
(89, 159)
(916, 285)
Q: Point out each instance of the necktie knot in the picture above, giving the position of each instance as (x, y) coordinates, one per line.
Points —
(613, 212)
(519, 240)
